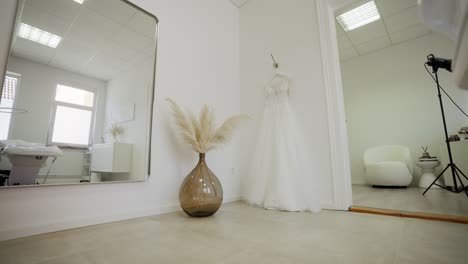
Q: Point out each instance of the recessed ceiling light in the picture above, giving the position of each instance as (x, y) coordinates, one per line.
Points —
(38, 35)
(359, 16)
(79, 1)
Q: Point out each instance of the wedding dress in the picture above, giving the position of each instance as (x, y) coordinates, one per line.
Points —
(281, 177)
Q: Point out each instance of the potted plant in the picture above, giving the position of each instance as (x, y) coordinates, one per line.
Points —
(116, 130)
(463, 133)
(201, 193)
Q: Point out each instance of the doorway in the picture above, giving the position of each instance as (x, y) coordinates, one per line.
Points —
(383, 104)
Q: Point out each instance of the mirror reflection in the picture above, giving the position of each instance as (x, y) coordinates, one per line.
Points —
(76, 101)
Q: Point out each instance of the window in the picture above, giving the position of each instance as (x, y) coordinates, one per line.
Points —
(7, 102)
(73, 115)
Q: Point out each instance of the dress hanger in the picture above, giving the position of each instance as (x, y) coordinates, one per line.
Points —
(278, 75)
(277, 72)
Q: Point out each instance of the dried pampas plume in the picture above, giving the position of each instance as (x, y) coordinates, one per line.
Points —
(116, 129)
(200, 133)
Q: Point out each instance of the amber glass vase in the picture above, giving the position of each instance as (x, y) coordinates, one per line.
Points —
(201, 193)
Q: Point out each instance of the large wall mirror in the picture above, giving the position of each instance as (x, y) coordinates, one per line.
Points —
(76, 104)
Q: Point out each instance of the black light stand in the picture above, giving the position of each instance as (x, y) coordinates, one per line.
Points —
(437, 63)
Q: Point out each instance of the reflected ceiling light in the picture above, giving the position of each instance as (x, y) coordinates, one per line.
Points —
(79, 1)
(359, 16)
(38, 35)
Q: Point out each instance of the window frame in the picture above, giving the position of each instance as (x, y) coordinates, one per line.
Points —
(15, 100)
(56, 104)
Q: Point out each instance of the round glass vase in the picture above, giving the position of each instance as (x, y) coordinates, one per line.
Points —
(201, 194)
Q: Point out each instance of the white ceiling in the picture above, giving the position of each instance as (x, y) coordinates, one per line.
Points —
(101, 38)
(399, 23)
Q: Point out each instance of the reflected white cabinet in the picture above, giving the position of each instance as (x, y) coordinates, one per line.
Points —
(111, 157)
(460, 158)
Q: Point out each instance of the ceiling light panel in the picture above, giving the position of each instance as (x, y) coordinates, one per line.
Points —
(359, 16)
(79, 1)
(38, 35)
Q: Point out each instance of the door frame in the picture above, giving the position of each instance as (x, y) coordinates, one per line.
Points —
(338, 136)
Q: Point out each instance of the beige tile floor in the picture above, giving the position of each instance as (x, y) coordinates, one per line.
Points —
(436, 201)
(239, 233)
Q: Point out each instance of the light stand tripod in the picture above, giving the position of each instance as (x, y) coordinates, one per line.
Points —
(437, 63)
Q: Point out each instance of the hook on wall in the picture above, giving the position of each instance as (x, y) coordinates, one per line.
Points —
(275, 64)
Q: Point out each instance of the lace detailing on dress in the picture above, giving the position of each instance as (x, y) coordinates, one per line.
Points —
(277, 90)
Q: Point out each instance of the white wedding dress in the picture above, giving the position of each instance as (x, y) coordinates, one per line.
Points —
(281, 176)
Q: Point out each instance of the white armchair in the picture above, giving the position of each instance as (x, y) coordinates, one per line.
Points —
(388, 166)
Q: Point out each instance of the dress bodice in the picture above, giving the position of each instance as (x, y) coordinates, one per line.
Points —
(277, 89)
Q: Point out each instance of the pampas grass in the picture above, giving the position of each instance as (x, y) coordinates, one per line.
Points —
(200, 133)
(116, 130)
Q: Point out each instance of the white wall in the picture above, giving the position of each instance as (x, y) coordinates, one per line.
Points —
(390, 99)
(130, 88)
(289, 30)
(197, 64)
(35, 94)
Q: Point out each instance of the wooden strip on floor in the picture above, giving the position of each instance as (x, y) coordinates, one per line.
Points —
(397, 213)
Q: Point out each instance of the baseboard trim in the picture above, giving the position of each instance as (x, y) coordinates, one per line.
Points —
(324, 206)
(8, 234)
(359, 182)
(406, 214)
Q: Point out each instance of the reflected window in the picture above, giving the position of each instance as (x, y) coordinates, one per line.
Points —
(7, 102)
(73, 116)
(76, 96)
